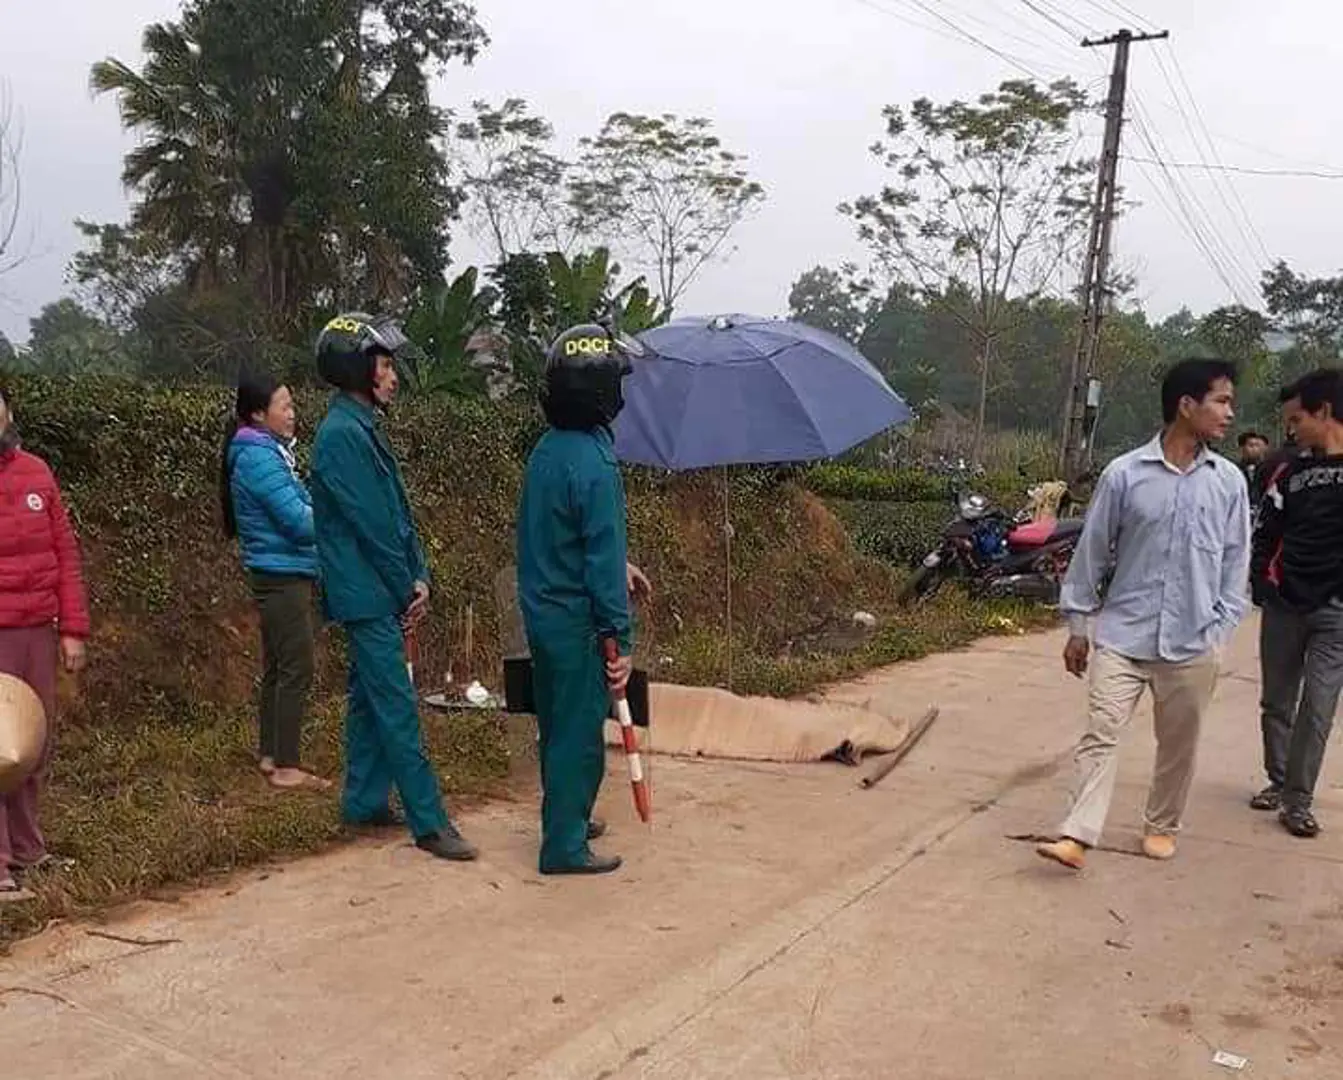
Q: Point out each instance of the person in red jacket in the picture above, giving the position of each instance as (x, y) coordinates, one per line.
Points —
(44, 618)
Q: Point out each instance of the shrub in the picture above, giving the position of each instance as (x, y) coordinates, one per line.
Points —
(909, 485)
(897, 532)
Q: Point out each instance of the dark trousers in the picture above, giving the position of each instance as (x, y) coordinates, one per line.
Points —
(1301, 657)
(285, 604)
(572, 704)
(382, 733)
(28, 654)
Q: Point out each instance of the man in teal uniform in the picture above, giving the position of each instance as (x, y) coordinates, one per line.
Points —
(375, 584)
(573, 582)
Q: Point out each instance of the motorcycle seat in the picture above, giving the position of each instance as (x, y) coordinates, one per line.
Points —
(1047, 530)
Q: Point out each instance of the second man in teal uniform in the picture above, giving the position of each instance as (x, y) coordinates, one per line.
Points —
(375, 584)
(573, 582)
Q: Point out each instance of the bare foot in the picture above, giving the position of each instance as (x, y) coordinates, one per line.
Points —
(298, 779)
(267, 766)
(11, 892)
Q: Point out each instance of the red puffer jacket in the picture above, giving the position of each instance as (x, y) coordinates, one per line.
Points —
(40, 577)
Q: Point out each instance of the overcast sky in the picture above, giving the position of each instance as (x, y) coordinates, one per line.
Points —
(797, 86)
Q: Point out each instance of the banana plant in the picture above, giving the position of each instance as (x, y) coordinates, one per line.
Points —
(584, 289)
(442, 327)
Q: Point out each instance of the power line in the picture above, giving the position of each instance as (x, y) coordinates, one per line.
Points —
(1051, 19)
(956, 33)
(908, 20)
(1014, 61)
(1061, 13)
(1221, 184)
(1187, 210)
(1244, 170)
(1035, 41)
(1116, 10)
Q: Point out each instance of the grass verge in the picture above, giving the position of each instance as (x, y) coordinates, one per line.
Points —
(145, 810)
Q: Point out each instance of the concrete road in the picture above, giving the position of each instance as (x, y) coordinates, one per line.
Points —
(776, 922)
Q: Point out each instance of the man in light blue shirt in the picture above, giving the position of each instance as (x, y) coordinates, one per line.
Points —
(1160, 580)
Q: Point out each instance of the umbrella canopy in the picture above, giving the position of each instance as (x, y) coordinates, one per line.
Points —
(740, 390)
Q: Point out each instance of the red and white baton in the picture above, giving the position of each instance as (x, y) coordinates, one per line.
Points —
(643, 801)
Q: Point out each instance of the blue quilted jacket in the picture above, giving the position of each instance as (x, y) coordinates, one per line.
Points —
(272, 507)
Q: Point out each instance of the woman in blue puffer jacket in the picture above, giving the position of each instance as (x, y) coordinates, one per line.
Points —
(267, 508)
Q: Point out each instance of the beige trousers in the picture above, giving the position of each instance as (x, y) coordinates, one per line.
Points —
(1181, 694)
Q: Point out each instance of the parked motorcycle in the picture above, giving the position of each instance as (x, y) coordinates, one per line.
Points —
(997, 554)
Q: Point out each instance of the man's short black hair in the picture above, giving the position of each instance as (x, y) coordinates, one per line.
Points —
(1321, 387)
(1248, 436)
(1191, 378)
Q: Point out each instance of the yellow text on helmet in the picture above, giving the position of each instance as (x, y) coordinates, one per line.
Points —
(345, 324)
(587, 346)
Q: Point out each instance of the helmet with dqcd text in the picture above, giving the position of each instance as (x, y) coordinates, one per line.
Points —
(349, 345)
(585, 368)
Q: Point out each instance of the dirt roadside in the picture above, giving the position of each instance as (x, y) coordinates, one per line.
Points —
(776, 922)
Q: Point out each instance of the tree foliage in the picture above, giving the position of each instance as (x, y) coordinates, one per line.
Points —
(290, 147)
(514, 184)
(929, 357)
(827, 299)
(987, 201)
(1310, 309)
(665, 190)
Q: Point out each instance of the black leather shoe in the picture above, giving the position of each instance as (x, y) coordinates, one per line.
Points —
(596, 829)
(447, 843)
(593, 864)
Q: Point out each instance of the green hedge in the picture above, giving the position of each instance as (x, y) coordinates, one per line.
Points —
(908, 485)
(174, 627)
(896, 532)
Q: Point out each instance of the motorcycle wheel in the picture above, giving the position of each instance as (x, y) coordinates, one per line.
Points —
(920, 585)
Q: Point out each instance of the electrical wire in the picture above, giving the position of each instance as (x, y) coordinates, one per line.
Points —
(1016, 62)
(1053, 20)
(1243, 170)
(910, 21)
(1187, 210)
(1034, 41)
(1221, 183)
(1114, 9)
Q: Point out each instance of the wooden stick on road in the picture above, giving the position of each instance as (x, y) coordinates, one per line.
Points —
(884, 767)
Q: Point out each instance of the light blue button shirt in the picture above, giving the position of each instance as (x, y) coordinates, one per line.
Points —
(1179, 546)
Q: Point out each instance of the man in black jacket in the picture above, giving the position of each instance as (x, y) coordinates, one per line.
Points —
(1253, 449)
(1298, 571)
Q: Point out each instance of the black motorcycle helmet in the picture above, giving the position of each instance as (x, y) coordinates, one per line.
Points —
(584, 371)
(348, 347)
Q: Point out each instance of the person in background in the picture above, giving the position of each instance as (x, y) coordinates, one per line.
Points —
(1172, 521)
(268, 510)
(1298, 556)
(574, 586)
(44, 619)
(1253, 450)
(1262, 592)
(375, 584)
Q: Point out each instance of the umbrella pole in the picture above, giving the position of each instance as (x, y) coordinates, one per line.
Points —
(727, 563)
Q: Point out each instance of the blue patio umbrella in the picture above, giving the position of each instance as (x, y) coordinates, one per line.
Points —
(740, 390)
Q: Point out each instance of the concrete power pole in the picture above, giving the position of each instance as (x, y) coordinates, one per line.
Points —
(1083, 390)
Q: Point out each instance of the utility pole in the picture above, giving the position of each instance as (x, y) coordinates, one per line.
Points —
(1083, 389)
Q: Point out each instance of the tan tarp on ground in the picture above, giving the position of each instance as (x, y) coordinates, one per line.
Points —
(692, 721)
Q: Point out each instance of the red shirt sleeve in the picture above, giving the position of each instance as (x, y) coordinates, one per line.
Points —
(73, 619)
